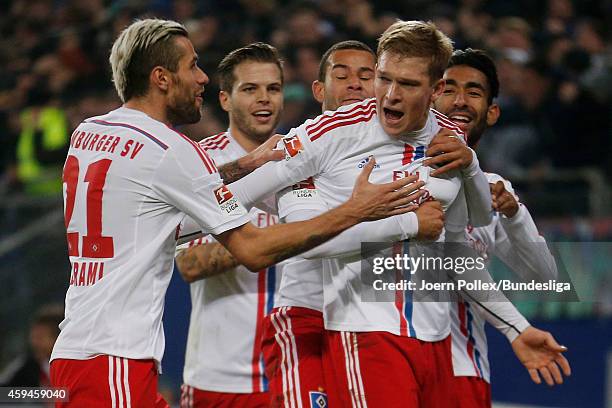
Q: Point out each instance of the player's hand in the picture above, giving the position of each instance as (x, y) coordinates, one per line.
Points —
(431, 220)
(503, 200)
(375, 201)
(266, 152)
(541, 355)
(448, 151)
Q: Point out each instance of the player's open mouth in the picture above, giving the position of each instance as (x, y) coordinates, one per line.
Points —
(392, 116)
(462, 119)
(263, 116)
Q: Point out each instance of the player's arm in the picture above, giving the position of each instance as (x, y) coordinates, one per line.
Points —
(518, 243)
(257, 248)
(449, 152)
(425, 223)
(234, 171)
(537, 350)
(197, 261)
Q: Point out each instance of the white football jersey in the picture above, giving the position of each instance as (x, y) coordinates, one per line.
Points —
(224, 342)
(334, 148)
(129, 180)
(302, 280)
(514, 242)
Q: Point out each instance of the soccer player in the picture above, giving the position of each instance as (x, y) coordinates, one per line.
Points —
(130, 179)
(397, 126)
(468, 100)
(346, 76)
(367, 341)
(223, 361)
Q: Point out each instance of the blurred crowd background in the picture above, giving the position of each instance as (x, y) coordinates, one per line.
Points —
(553, 141)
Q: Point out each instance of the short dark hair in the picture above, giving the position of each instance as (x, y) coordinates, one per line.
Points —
(478, 59)
(258, 52)
(342, 45)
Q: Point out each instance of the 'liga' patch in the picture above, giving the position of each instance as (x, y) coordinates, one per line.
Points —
(305, 189)
(227, 202)
(318, 399)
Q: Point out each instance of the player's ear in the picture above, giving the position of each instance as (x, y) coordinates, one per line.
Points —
(438, 88)
(224, 100)
(493, 113)
(318, 91)
(160, 77)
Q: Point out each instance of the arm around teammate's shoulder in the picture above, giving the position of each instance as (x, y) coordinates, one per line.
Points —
(257, 248)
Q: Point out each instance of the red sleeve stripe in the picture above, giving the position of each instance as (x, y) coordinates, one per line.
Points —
(357, 117)
(338, 124)
(213, 138)
(336, 115)
(445, 122)
(219, 141)
(208, 163)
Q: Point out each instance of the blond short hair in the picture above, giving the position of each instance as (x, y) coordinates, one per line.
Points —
(142, 46)
(418, 39)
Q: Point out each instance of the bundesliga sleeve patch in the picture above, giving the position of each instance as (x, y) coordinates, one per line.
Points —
(305, 189)
(293, 146)
(227, 202)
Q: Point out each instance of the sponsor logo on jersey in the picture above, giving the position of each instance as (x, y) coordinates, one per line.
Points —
(318, 399)
(227, 202)
(293, 146)
(400, 174)
(305, 189)
(365, 161)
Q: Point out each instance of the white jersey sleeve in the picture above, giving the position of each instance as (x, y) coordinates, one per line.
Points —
(205, 198)
(477, 194)
(302, 201)
(307, 153)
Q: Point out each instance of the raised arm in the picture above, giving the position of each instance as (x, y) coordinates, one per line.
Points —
(257, 248)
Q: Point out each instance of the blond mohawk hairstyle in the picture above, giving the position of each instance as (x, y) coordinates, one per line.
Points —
(142, 46)
(418, 39)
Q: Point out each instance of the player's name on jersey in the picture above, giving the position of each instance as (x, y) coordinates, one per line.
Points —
(105, 143)
(86, 273)
(473, 285)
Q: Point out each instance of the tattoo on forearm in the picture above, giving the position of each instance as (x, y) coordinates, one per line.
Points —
(233, 171)
(204, 261)
(310, 243)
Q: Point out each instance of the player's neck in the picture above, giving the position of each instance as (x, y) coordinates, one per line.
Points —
(248, 143)
(149, 107)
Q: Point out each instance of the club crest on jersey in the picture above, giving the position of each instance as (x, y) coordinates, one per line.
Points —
(293, 146)
(318, 399)
(305, 189)
(227, 202)
(365, 161)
